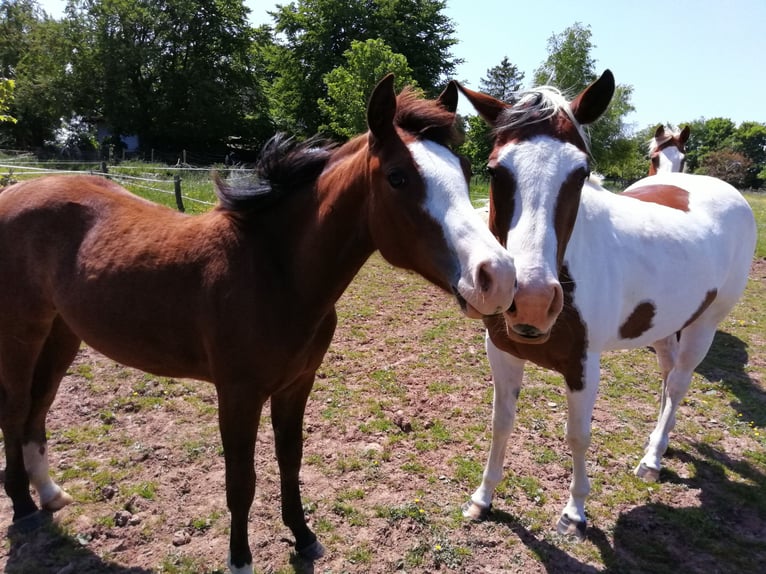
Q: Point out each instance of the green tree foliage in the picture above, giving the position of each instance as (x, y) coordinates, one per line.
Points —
(610, 145)
(569, 65)
(349, 86)
(706, 136)
(172, 71)
(6, 97)
(43, 93)
(314, 35)
(503, 81)
(728, 165)
(750, 140)
(17, 20)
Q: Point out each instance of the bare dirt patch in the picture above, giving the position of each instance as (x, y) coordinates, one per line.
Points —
(396, 434)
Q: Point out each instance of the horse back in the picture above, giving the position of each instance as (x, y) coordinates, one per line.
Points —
(129, 277)
(671, 250)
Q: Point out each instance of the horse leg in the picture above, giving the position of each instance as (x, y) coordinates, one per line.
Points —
(580, 410)
(239, 413)
(667, 354)
(287, 410)
(507, 375)
(20, 346)
(58, 352)
(692, 348)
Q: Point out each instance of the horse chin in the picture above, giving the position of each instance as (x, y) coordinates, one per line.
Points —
(471, 312)
(537, 338)
(468, 310)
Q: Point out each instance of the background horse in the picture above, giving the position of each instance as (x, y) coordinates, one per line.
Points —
(661, 264)
(242, 296)
(667, 150)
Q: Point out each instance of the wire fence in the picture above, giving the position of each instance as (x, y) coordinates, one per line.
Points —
(149, 181)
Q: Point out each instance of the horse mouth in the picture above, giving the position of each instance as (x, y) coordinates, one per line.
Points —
(468, 310)
(523, 333)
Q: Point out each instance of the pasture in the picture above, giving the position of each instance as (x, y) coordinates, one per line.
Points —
(396, 434)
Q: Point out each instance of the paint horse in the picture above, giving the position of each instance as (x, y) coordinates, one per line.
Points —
(661, 264)
(667, 150)
(242, 296)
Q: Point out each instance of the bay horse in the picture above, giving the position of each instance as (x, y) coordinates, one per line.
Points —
(667, 150)
(242, 296)
(660, 264)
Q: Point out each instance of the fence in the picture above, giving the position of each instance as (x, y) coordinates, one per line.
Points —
(24, 166)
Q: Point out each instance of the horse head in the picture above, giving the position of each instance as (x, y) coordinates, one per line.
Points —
(667, 150)
(420, 214)
(538, 166)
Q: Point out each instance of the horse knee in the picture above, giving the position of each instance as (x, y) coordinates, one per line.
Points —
(578, 440)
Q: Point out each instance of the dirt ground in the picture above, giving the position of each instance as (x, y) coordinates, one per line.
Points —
(148, 476)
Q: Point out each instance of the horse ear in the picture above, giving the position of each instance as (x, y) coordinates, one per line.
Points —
(593, 100)
(448, 98)
(659, 132)
(381, 109)
(685, 134)
(488, 107)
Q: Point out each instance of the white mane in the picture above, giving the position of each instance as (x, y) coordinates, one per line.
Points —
(538, 105)
(655, 143)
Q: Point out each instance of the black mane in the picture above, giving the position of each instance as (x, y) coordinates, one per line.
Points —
(284, 165)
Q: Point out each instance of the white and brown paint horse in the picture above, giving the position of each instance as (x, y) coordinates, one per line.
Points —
(667, 150)
(661, 264)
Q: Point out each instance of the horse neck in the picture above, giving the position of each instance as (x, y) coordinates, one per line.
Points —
(337, 242)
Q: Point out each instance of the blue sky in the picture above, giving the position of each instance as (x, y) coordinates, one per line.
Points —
(686, 59)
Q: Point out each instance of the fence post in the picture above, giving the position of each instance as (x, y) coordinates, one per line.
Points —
(103, 167)
(177, 189)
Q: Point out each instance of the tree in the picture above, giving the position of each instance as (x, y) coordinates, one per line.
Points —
(17, 20)
(314, 35)
(503, 81)
(750, 139)
(570, 67)
(730, 166)
(175, 72)
(42, 95)
(349, 86)
(6, 97)
(478, 144)
(707, 136)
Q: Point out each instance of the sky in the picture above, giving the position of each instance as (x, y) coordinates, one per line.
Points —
(685, 59)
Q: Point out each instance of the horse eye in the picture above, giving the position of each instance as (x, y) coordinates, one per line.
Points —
(397, 179)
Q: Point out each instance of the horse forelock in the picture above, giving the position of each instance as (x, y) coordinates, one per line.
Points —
(670, 138)
(426, 119)
(541, 105)
(285, 165)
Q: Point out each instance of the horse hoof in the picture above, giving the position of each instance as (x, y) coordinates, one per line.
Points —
(313, 551)
(475, 512)
(58, 502)
(245, 569)
(572, 528)
(30, 523)
(647, 473)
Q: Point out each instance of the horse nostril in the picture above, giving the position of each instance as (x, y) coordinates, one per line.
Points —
(484, 279)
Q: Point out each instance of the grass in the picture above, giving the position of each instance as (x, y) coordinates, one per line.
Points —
(382, 498)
